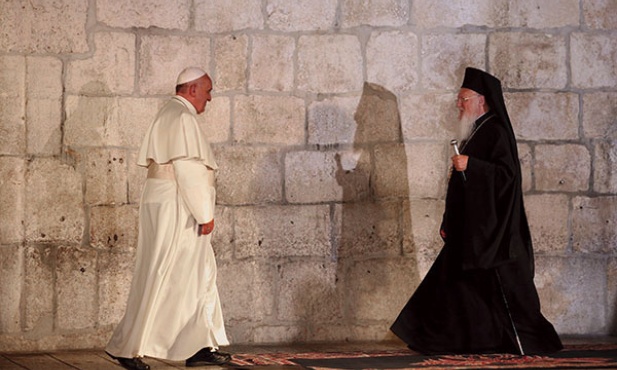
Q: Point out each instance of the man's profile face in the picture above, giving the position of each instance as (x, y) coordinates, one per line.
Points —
(469, 104)
(203, 93)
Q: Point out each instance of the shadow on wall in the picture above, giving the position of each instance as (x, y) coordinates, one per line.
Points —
(370, 276)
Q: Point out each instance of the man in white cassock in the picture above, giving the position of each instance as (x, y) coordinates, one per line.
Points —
(173, 310)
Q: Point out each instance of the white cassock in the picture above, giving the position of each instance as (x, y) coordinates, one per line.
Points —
(173, 308)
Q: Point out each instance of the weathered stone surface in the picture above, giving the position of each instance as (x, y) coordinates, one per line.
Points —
(377, 289)
(599, 14)
(377, 104)
(593, 60)
(599, 115)
(539, 60)
(223, 234)
(309, 293)
(215, 122)
(12, 199)
(544, 116)
(129, 122)
(421, 240)
(76, 288)
(392, 60)
(543, 13)
(89, 121)
(391, 179)
(136, 178)
(444, 58)
(249, 175)
(368, 229)
(54, 202)
(111, 70)
(604, 170)
(331, 121)
(374, 13)
(525, 157)
(282, 231)
(44, 27)
(353, 174)
(12, 105)
(145, 13)
(459, 13)
(311, 177)
(269, 119)
(115, 272)
(562, 168)
(593, 224)
(272, 67)
(162, 58)
(231, 55)
(291, 333)
(247, 290)
(106, 176)
(301, 15)
(548, 222)
(572, 291)
(39, 288)
(226, 16)
(427, 167)
(429, 116)
(114, 227)
(11, 287)
(329, 63)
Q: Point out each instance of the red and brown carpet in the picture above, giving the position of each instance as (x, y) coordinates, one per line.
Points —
(602, 356)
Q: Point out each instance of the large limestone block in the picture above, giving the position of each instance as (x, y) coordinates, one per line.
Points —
(444, 58)
(283, 231)
(562, 168)
(544, 116)
(378, 13)
(249, 175)
(229, 15)
(459, 13)
(543, 13)
(39, 288)
(377, 116)
(600, 14)
(163, 57)
(526, 159)
(76, 280)
(309, 292)
(247, 290)
(12, 105)
(392, 60)
(115, 272)
(593, 60)
(301, 15)
(421, 240)
(110, 70)
(278, 333)
(331, 121)
(106, 176)
(231, 60)
(311, 177)
(329, 64)
(429, 116)
(44, 108)
(54, 202)
(11, 287)
(12, 199)
(593, 224)
(600, 115)
(90, 121)
(114, 227)
(215, 122)
(605, 167)
(427, 167)
(368, 229)
(391, 179)
(145, 13)
(548, 222)
(377, 289)
(271, 63)
(133, 117)
(528, 60)
(57, 27)
(353, 175)
(572, 292)
(278, 120)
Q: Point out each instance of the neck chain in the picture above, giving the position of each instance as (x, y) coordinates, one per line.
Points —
(464, 144)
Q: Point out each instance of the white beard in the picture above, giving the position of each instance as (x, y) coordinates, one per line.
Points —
(465, 127)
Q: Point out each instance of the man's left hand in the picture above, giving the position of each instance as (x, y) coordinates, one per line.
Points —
(205, 229)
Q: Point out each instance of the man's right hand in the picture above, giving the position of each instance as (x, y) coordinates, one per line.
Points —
(205, 229)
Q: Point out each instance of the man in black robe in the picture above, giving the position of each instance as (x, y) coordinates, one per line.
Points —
(479, 295)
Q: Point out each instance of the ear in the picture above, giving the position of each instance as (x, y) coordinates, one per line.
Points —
(192, 89)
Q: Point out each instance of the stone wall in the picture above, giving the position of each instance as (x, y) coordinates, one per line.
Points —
(330, 120)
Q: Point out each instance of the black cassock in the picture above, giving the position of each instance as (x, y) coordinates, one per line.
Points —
(479, 295)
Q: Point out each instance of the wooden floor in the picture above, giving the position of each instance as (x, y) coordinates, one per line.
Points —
(98, 360)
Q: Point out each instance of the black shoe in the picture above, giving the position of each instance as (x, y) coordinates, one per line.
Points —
(134, 363)
(206, 356)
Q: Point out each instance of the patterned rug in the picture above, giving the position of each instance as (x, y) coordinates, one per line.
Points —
(573, 357)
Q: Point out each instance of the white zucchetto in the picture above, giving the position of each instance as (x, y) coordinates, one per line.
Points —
(190, 74)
